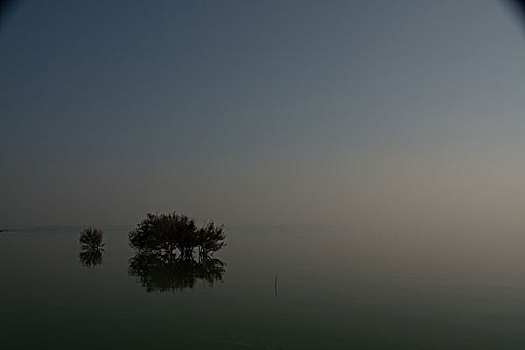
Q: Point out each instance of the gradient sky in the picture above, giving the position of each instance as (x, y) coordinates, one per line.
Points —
(359, 113)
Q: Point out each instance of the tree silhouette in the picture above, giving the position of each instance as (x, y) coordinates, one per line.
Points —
(91, 243)
(168, 233)
(165, 246)
(91, 239)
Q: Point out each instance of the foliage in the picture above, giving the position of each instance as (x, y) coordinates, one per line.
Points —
(165, 245)
(164, 234)
(91, 242)
(91, 239)
(211, 239)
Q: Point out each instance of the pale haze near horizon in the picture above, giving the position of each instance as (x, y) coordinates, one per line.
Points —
(348, 113)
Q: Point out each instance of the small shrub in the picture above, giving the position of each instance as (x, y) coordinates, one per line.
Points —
(91, 239)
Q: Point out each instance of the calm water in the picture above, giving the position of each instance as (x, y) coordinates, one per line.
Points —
(335, 288)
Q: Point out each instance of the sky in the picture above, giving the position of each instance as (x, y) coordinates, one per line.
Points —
(365, 113)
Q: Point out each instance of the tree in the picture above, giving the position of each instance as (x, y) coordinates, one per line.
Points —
(210, 239)
(91, 242)
(91, 239)
(164, 234)
(159, 237)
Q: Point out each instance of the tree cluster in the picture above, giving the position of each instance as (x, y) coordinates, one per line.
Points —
(167, 234)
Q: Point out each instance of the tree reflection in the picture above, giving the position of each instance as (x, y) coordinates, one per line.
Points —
(163, 273)
(90, 258)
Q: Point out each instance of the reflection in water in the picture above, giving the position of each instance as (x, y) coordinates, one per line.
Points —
(165, 246)
(163, 273)
(91, 258)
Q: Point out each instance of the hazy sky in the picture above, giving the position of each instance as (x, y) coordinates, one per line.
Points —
(367, 113)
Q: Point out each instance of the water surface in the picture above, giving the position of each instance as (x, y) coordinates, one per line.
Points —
(283, 287)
